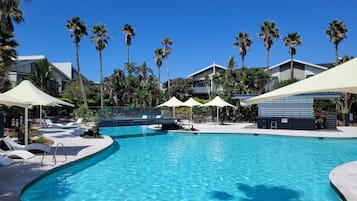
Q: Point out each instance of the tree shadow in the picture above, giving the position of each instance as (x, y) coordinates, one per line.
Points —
(268, 193)
(221, 195)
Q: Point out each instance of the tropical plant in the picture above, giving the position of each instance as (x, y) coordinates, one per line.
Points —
(268, 31)
(101, 37)
(115, 86)
(181, 88)
(292, 40)
(336, 32)
(7, 53)
(243, 42)
(231, 62)
(129, 34)
(79, 30)
(158, 58)
(167, 42)
(10, 13)
(43, 77)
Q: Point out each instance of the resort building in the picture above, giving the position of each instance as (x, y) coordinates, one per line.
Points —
(203, 82)
(24, 65)
(301, 70)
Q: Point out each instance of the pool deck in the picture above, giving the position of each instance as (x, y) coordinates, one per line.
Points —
(14, 178)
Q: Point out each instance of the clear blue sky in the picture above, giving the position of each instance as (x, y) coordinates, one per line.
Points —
(202, 31)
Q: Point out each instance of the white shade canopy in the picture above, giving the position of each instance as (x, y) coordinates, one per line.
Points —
(341, 78)
(192, 103)
(218, 102)
(29, 94)
(173, 102)
(10, 101)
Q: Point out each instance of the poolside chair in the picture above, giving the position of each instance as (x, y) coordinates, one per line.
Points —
(50, 124)
(12, 145)
(5, 161)
(23, 154)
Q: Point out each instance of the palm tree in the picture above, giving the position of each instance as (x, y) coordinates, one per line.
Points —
(7, 53)
(336, 32)
(100, 36)
(79, 30)
(243, 42)
(43, 78)
(10, 12)
(158, 58)
(268, 31)
(292, 40)
(167, 50)
(129, 33)
(231, 62)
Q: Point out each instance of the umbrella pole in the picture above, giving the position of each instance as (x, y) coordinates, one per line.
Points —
(173, 112)
(40, 116)
(217, 114)
(26, 125)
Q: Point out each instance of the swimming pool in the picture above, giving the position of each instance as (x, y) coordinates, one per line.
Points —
(172, 166)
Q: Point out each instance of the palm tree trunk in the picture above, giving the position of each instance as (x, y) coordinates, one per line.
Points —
(292, 67)
(268, 57)
(168, 76)
(80, 78)
(336, 51)
(127, 52)
(101, 79)
(243, 65)
(158, 73)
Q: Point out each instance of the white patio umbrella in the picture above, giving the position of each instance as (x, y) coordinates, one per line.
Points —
(218, 102)
(28, 94)
(191, 103)
(173, 102)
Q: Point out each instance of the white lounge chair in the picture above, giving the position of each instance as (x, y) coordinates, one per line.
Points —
(17, 154)
(5, 161)
(50, 124)
(12, 145)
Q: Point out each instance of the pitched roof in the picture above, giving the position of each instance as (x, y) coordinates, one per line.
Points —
(206, 68)
(298, 61)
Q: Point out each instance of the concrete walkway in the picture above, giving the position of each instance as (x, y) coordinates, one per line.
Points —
(13, 178)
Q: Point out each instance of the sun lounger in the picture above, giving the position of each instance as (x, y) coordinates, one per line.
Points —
(5, 161)
(50, 124)
(12, 145)
(17, 154)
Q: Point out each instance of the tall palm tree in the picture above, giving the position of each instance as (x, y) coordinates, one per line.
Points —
(79, 30)
(268, 31)
(167, 42)
(243, 42)
(101, 37)
(292, 40)
(336, 32)
(158, 58)
(10, 13)
(129, 33)
(7, 53)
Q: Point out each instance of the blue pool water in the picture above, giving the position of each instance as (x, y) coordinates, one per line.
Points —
(172, 166)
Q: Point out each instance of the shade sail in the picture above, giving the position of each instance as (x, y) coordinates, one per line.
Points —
(10, 101)
(191, 103)
(218, 102)
(29, 94)
(173, 102)
(341, 78)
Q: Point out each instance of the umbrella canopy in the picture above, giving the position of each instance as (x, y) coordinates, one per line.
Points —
(28, 94)
(191, 103)
(9, 101)
(341, 78)
(218, 102)
(173, 102)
